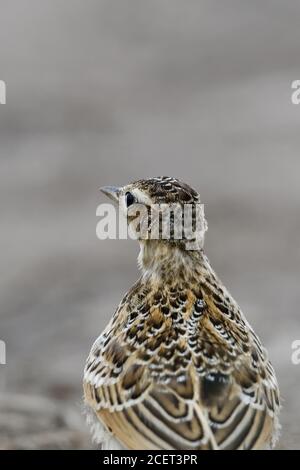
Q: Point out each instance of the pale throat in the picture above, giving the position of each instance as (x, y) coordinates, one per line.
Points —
(165, 260)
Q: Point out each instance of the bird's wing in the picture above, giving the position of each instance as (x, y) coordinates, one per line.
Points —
(211, 388)
(238, 384)
(145, 414)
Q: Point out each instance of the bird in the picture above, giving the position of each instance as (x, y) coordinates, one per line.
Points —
(178, 367)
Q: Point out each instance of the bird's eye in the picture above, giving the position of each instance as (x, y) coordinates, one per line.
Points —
(129, 198)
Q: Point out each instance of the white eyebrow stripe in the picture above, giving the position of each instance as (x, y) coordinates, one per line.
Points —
(141, 197)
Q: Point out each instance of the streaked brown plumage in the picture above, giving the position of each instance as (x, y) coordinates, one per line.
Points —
(178, 366)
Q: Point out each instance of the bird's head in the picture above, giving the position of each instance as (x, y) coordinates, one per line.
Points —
(163, 212)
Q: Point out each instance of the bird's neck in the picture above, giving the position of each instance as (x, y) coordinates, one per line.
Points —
(164, 260)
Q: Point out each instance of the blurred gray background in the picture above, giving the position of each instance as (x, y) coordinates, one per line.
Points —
(105, 92)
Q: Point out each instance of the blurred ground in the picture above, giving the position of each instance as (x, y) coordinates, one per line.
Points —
(102, 92)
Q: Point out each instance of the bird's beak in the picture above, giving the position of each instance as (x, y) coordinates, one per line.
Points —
(111, 191)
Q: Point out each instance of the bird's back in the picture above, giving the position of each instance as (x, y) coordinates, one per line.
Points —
(179, 367)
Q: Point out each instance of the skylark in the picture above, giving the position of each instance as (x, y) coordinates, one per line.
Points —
(178, 366)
